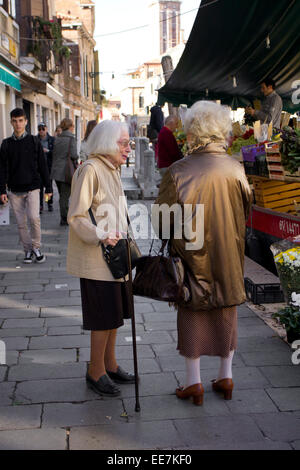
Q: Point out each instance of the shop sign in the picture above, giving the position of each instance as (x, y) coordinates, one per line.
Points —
(5, 41)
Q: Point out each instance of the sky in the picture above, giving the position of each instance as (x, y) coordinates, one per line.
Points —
(120, 53)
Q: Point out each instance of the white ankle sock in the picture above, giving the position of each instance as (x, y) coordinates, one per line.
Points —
(225, 371)
(192, 371)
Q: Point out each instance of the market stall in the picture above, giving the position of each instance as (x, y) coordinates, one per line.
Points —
(232, 48)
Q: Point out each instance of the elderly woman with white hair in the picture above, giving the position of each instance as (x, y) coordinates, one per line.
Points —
(97, 186)
(207, 323)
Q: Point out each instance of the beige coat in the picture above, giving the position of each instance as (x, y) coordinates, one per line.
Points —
(212, 178)
(95, 183)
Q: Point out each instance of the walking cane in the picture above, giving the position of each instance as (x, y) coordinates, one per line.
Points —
(131, 306)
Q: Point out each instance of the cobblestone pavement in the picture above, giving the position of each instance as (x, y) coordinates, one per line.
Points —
(44, 401)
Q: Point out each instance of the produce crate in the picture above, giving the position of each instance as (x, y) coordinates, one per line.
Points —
(278, 196)
(263, 293)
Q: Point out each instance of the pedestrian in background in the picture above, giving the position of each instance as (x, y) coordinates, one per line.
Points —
(167, 149)
(83, 155)
(47, 143)
(64, 147)
(58, 131)
(207, 325)
(22, 169)
(105, 300)
(155, 125)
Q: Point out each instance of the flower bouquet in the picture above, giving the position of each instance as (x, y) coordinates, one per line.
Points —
(287, 260)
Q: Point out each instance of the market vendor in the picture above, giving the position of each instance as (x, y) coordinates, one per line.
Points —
(271, 108)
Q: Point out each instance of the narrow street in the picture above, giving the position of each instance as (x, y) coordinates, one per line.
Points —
(44, 401)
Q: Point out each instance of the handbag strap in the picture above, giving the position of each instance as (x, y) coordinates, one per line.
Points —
(92, 216)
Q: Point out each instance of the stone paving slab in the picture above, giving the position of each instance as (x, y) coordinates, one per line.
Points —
(34, 439)
(8, 313)
(261, 445)
(6, 392)
(48, 356)
(23, 323)
(251, 401)
(65, 330)
(151, 435)
(61, 311)
(282, 376)
(279, 426)
(63, 321)
(51, 391)
(218, 431)
(20, 417)
(3, 370)
(287, 399)
(55, 302)
(15, 344)
(83, 414)
(24, 288)
(27, 372)
(22, 332)
(267, 358)
(58, 342)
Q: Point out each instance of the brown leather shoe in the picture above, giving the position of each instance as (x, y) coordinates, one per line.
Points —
(225, 386)
(195, 391)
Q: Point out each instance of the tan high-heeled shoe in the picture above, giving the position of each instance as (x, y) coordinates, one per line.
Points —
(224, 386)
(195, 391)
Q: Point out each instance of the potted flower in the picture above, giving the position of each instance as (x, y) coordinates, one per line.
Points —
(287, 259)
(289, 317)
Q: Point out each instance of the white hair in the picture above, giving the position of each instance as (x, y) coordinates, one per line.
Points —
(104, 137)
(207, 122)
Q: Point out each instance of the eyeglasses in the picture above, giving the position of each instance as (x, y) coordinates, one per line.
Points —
(41, 128)
(125, 143)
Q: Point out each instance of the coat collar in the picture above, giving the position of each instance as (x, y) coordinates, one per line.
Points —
(103, 160)
(213, 147)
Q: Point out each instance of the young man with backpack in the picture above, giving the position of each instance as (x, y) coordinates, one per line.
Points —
(22, 169)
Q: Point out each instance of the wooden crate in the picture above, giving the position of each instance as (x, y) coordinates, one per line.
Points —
(276, 195)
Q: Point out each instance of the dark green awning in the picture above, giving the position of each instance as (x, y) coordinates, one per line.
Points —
(8, 77)
(229, 43)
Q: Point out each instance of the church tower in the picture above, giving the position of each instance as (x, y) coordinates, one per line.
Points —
(165, 21)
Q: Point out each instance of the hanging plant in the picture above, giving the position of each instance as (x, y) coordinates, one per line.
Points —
(44, 29)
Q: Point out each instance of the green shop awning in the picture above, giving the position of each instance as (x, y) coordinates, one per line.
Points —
(9, 78)
(234, 45)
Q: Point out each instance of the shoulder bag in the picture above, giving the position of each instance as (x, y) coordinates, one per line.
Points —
(161, 278)
(116, 256)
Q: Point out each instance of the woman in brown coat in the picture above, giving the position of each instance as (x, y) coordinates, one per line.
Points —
(211, 187)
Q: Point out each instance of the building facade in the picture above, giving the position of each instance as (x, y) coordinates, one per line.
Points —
(80, 78)
(10, 86)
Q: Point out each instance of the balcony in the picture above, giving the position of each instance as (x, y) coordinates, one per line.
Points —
(47, 45)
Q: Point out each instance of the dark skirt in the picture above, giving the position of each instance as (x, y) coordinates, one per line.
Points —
(105, 304)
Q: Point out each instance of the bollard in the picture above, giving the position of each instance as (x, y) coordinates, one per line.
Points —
(144, 145)
(150, 189)
(137, 155)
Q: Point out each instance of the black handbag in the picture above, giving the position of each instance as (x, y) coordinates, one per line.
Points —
(116, 256)
(161, 278)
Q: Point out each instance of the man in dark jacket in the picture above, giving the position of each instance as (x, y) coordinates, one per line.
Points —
(47, 143)
(22, 167)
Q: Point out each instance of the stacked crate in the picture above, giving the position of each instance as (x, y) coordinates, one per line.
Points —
(276, 195)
